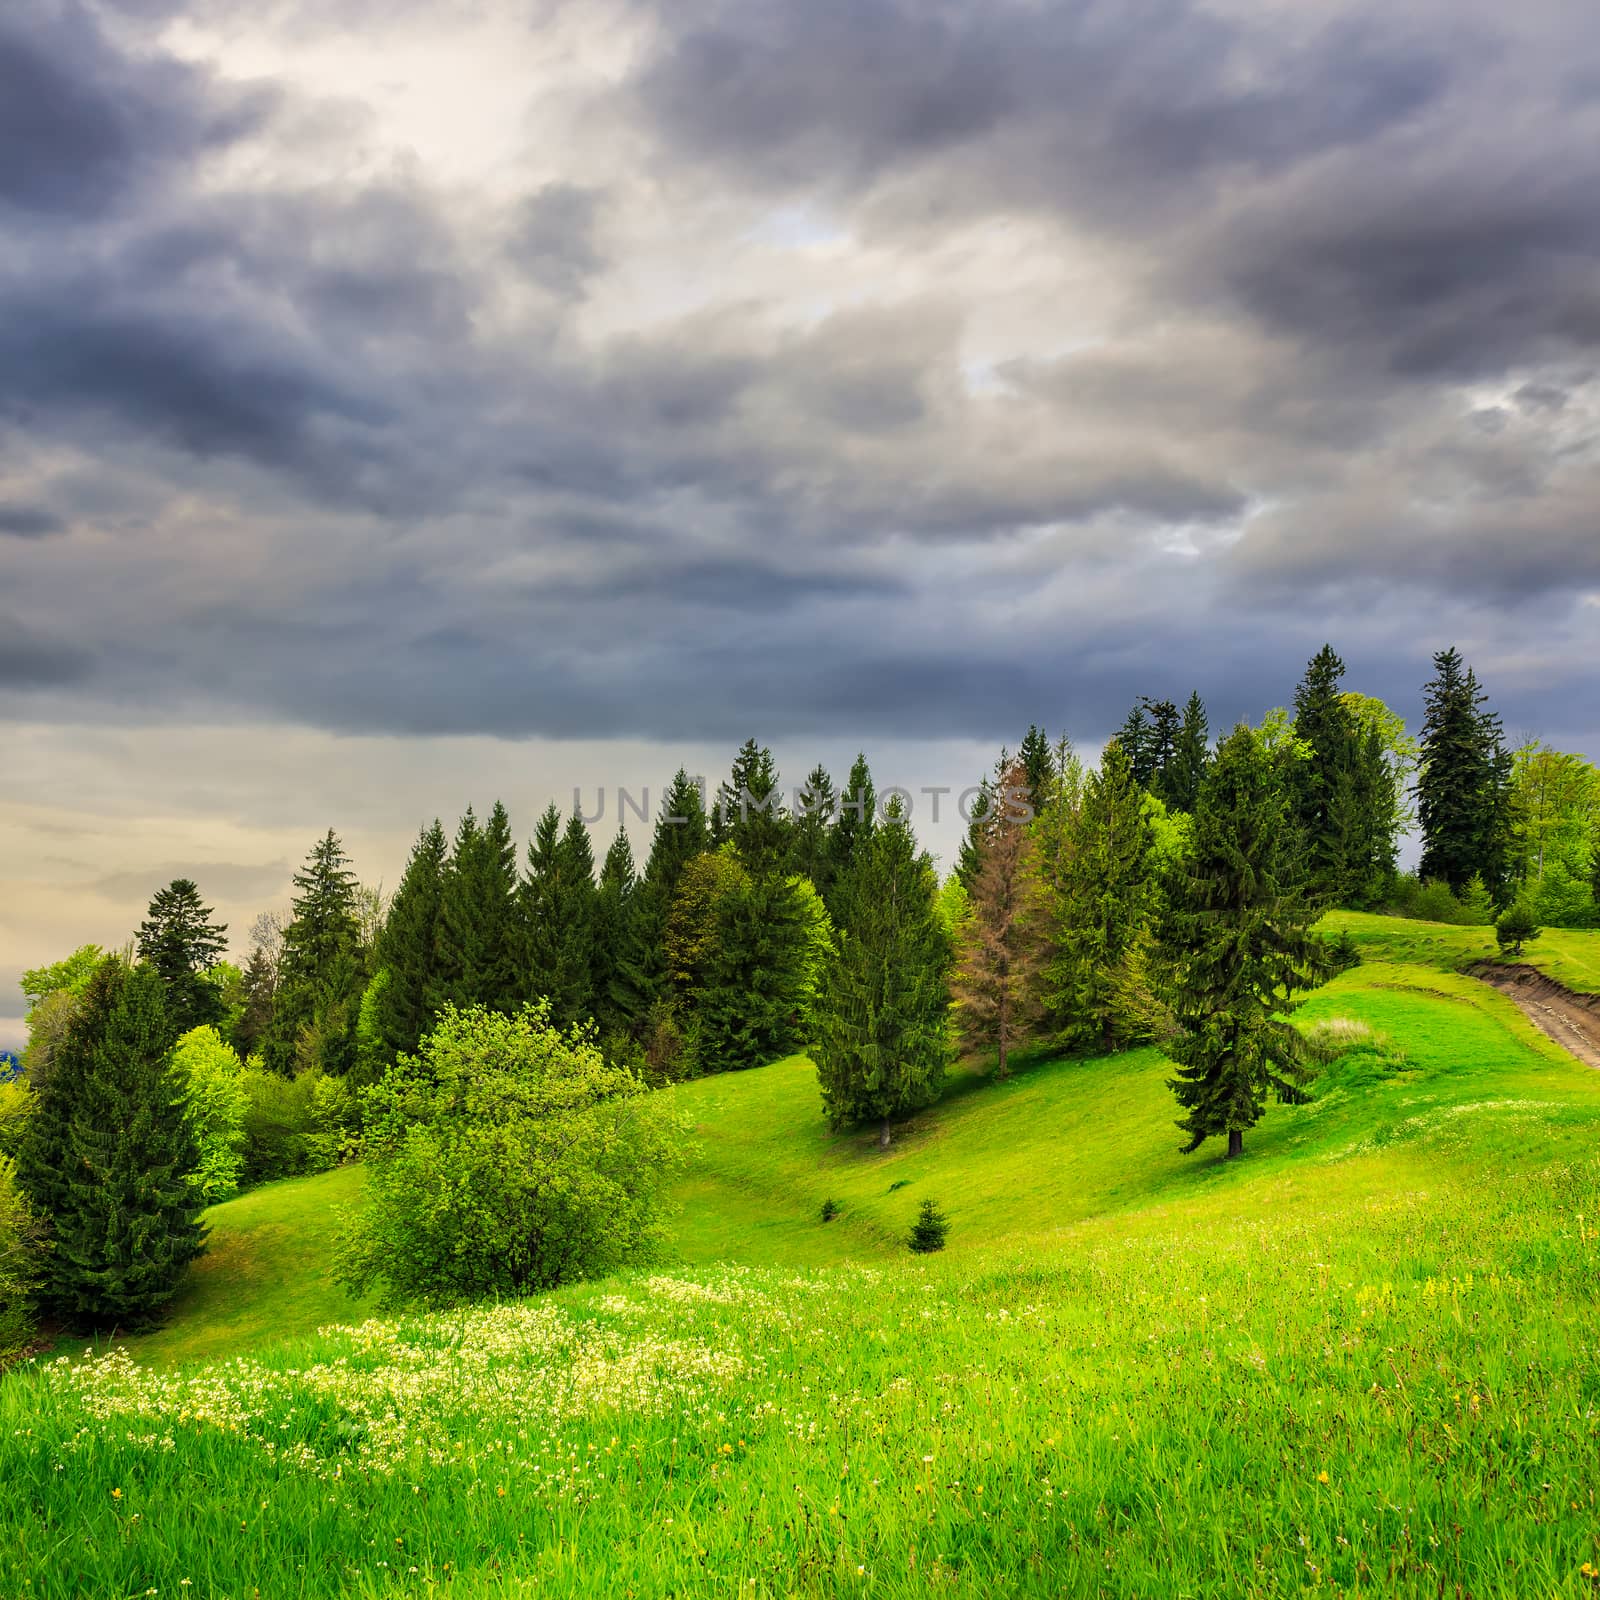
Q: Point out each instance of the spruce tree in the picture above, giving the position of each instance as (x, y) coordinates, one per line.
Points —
(558, 914)
(980, 817)
(108, 1158)
(479, 939)
(1181, 779)
(681, 834)
(179, 939)
(749, 1001)
(1463, 803)
(1134, 737)
(750, 813)
(260, 987)
(615, 961)
(810, 842)
(858, 816)
(1099, 909)
(879, 1026)
(409, 949)
(1325, 786)
(1037, 761)
(1234, 948)
(320, 978)
(998, 946)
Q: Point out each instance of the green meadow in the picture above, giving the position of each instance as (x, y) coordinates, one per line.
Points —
(1364, 1359)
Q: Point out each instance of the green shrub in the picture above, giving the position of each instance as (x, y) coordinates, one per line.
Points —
(830, 1209)
(929, 1231)
(215, 1100)
(281, 1125)
(21, 1248)
(1516, 928)
(16, 1102)
(507, 1158)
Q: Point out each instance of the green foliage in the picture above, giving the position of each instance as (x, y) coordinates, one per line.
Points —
(258, 990)
(858, 818)
(1178, 786)
(1234, 948)
(70, 975)
(320, 975)
(507, 1158)
(211, 1086)
(179, 939)
(750, 814)
(17, 1097)
(811, 830)
(558, 894)
(930, 1230)
(616, 958)
(830, 1209)
(22, 1247)
(1037, 760)
(479, 946)
(109, 1158)
(1516, 927)
(692, 925)
(1097, 902)
(283, 1134)
(409, 951)
(879, 1022)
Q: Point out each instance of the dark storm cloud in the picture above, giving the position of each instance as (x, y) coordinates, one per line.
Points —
(34, 660)
(29, 522)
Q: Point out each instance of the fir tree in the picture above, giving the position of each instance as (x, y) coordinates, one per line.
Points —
(558, 912)
(260, 987)
(320, 978)
(750, 813)
(1323, 793)
(109, 1157)
(179, 939)
(479, 938)
(1099, 907)
(615, 961)
(858, 817)
(879, 1024)
(1134, 738)
(409, 949)
(1037, 762)
(998, 948)
(749, 1001)
(810, 842)
(980, 817)
(1234, 948)
(1463, 804)
(1179, 788)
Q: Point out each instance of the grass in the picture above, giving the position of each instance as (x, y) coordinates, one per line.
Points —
(1361, 1359)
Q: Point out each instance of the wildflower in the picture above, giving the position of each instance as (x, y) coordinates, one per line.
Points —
(116, 1494)
(1322, 1477)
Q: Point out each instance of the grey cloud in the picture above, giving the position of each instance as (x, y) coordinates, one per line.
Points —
(29, 522)
(34, 660)
(555, 238)
(217, 880)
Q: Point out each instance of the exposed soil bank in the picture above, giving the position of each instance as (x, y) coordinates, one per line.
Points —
(1572, 1020)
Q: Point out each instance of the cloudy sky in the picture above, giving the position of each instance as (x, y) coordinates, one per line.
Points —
(407, 403)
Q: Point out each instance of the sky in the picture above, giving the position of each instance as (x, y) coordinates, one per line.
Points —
(404, 405)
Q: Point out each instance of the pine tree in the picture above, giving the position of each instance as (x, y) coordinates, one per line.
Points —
(479, 941)
(1323, 788)
(810, 842)
(320, 978)
(409, 949)
(1134, 737)
(615, 961)
(1234, 948)
(1463, 802)
(858, 817)
(749, 1001)
(260, 988)
(1037, 762)
(108, 1158)
(1100, 907)
(1191, 754)
(998, 948)
(980, 817)
(879, 1026)
(179, 939)
(750, 813)
(558, 912)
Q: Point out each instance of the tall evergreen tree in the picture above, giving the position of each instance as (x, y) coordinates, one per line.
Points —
(1325, 783)
(320, 978)
(1234, 948)
(259, 987)
(1037, 761)
(108, 1157)
(480, 942)
(748, 1008)
(998, 946)
(980, 817)
(750, 813)
(616, 961)
(1191, 754)
(858, 817)
(558, 909)
(811, 836)
(879, 1026)
(1135, 738)
(409, 949)
(179, 939)
(1099, 907)
(1463, 801)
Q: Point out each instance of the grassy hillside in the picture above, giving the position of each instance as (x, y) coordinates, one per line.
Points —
(1360, 1359)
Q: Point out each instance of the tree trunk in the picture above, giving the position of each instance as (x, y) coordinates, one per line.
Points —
(1000, 1065)
(883, 1134)
(1235, 1142)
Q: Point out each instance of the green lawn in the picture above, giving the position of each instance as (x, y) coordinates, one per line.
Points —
(1570, 955)
(1362, 1359)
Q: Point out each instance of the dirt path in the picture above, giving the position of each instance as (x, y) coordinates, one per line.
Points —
(1572, 1020)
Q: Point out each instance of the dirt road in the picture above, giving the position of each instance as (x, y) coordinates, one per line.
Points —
(1572, 1020)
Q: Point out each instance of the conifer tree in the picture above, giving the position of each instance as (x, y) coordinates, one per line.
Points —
(409, 949)
(1463, 801)
(999, 952)
(980, 815)
(752, 991)
(1134, 737)
(615, 960)
(1100, 908)
(179, 939)
(259, 987)
(108, 1158)
(750, 813)
(479, 939)
(1181, 779)
(810, 843)
(1234, 948)
(879, 1026)
(558, 911)
(320, 978)
(1324, 785)
(692, 924)
(1037, 762)
(858, 817)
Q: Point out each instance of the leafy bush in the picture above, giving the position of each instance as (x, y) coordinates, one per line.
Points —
(281, 1125)
(16, 1102)
(1516, 928)
(506, 1158)
(1433, 901)
(830, 1209)
(930, 1230)
(21, 1246)
(215, 1101)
